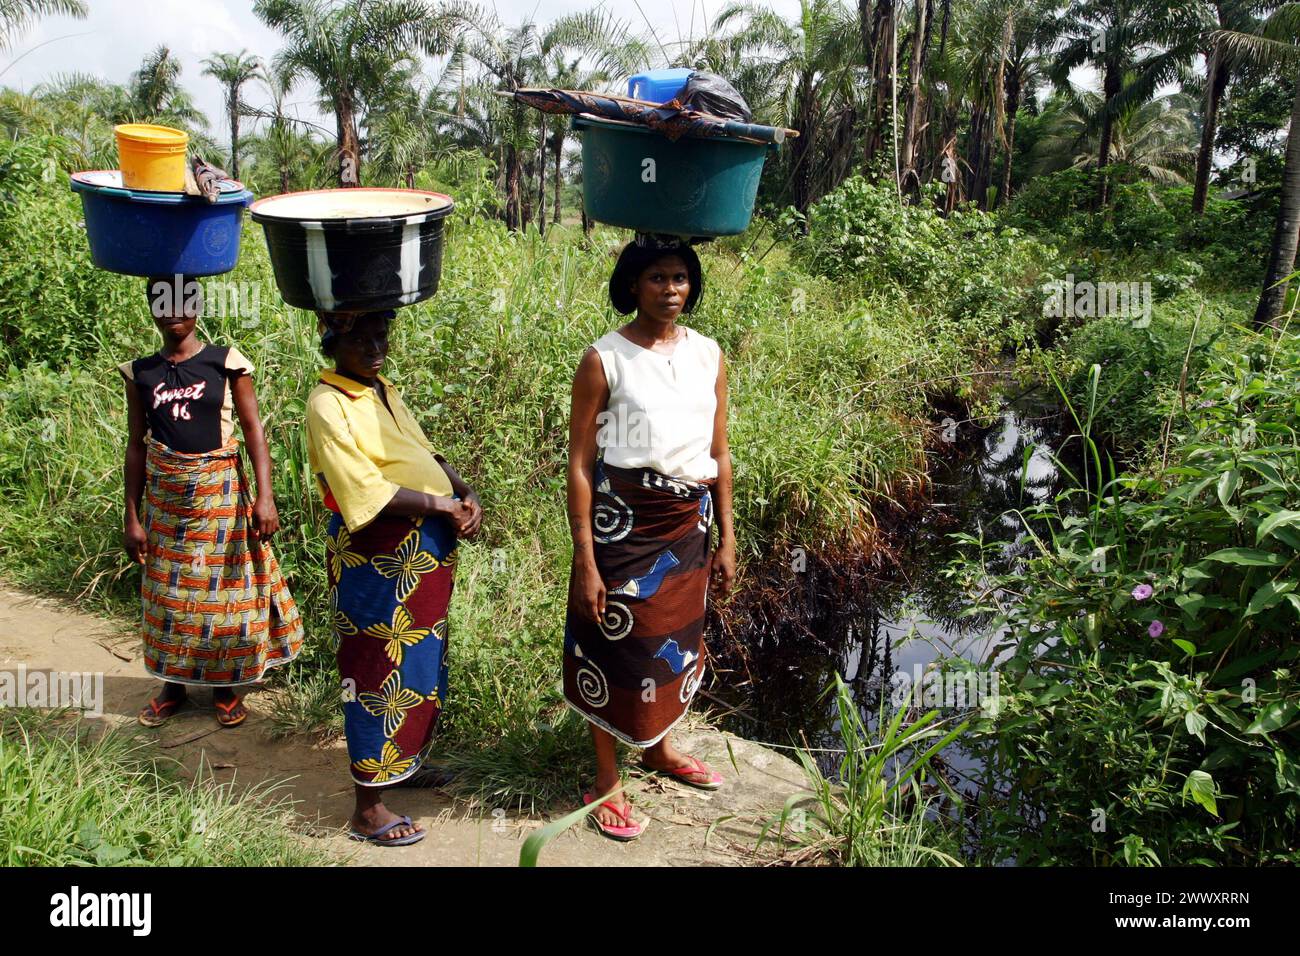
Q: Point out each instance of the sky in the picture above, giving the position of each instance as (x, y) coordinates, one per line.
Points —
(116, 36)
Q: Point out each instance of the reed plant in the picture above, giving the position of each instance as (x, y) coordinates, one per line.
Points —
(879, 808)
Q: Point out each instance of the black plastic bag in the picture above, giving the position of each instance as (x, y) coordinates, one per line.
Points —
(710, 93)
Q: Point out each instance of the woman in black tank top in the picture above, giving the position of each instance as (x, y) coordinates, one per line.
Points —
(216, 610)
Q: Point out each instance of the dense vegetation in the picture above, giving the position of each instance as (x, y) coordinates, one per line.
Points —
(1148, 673)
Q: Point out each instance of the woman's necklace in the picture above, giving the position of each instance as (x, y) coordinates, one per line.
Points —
(679, 331)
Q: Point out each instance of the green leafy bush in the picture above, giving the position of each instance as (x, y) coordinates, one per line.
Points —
(40, 219)
(1149, 228)
(969, 278)
(1142, 367)
(1150, 708)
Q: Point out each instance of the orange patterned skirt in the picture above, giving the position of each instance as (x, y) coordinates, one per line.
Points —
(216, 610)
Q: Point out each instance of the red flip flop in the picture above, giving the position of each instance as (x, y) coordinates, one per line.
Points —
(627, 831)
(683, 774)
(156, 712)
(225, 707)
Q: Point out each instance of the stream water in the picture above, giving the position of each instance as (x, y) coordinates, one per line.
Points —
(883, 622)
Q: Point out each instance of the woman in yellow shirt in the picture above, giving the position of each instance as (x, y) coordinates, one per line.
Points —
(399, 508)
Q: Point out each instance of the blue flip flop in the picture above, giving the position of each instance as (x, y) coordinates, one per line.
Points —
(377, 837)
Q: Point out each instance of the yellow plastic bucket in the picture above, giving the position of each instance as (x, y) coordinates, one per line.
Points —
(151, 157)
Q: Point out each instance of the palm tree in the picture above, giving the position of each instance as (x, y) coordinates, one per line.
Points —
(510, 58)
(1241, 16)
(17, 15)
(1146, 43)
(581, 52)
(1156, 139)
(287, 145)
(233, 70)
(523, 55)
(347, 48)
(156, 96)
(1276, 43)
(1030, 31)
(81, 109)
(811, 70)
(877, 29)
(987, 30)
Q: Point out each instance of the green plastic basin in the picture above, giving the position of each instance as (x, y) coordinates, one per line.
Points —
(639, 179)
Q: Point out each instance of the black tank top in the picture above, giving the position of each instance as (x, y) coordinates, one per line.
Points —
(187, 404)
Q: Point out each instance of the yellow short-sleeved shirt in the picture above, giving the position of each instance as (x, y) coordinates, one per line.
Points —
(361, 453)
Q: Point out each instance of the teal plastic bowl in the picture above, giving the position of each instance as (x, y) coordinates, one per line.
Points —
(694, 187)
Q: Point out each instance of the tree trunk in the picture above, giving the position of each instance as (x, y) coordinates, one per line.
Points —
(234, 133)
(525, 193)
(349, 144)
(976, 150)
(864, 32)
(1218, 81)
(1013, 107)
(1110, 89)
(541, 176)
(911, 182)
(801, 146)
(512, 173)
(882, 45)
(559, 155)
(1281, 256)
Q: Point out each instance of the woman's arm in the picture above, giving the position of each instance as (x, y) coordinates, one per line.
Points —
(590, 398)
(266, 520)
(723, 569)
(407, 502)
(134, 539)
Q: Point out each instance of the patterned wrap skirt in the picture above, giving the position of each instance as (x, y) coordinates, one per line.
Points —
(390, 587)
(216, 609)
(634, 673)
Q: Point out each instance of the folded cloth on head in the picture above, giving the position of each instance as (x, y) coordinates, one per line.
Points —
(672, 119)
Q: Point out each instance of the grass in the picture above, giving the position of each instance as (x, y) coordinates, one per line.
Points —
(70, 797)
(872, 812)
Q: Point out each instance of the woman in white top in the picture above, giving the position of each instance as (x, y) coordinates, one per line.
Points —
(649, 472)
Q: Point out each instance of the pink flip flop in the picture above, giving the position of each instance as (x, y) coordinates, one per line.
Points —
(629, 830)
(682, 774)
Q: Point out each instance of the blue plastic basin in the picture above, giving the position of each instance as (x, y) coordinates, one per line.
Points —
(141, 233)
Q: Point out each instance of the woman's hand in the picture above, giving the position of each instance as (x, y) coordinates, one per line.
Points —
(470, 497)
(266, 519)
(135, 541)
(459, 513)
(722, 568)
(589, 589)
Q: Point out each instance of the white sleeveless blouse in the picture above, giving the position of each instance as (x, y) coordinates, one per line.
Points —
(661, 407)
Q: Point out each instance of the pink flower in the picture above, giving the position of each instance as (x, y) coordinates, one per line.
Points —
(1142, 592)
(1157, 628)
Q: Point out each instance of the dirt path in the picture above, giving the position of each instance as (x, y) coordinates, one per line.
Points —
(47, 635)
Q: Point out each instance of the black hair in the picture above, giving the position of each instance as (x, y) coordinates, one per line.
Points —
(329, 337)
(635, 259)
